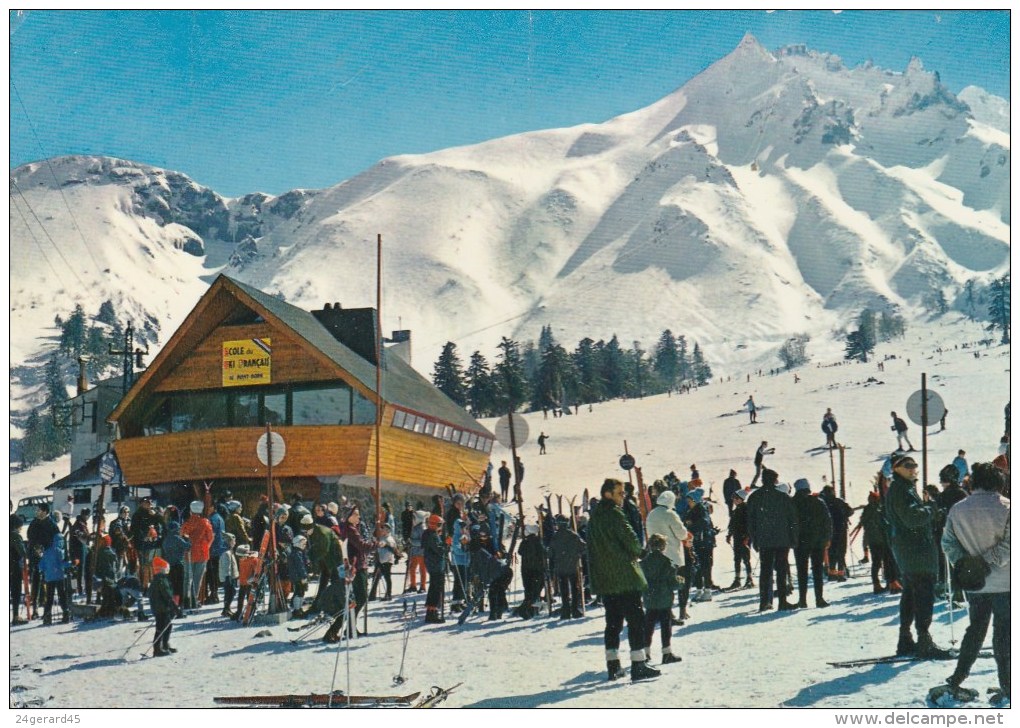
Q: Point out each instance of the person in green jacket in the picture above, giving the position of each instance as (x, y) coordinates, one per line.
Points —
(660, 573)
(106, 572)
(617, 578)
(161, 601)
(911, 522)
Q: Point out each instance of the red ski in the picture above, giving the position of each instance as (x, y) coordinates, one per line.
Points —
(259, 579)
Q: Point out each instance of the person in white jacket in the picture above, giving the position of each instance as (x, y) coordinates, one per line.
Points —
(663, 520)
(979, 525)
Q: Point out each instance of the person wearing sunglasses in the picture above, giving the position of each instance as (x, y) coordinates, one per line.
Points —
(911, 521)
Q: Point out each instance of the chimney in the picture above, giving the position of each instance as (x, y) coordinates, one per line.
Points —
(399, 344)
(352, 327)
(83, 377)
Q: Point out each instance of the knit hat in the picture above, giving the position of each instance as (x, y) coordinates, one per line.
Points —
(802, 484)
(197, 506)
(160, 565)
(333, 508)
(666, 498)
(307, 520)
(300, 542)
(243, 550)
(435, 521)
(281, 511)
(696, 495)
(741, 494)
(229, 537)
(233, 505)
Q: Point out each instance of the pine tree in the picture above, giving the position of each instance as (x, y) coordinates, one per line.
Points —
(666, 363)
(866, 325)
(936, 302)
(107, 315)
(508, 375)
(970, 298)
(890, 326)
(683, 360)
(856, 347)
(556, 380)
(612, 368)
(480, 390)
(590, 387)
(448, 374)
(699, 367)
(73, 334)
(999, 307)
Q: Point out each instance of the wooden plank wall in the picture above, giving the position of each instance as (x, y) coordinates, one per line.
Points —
(321, 450)
(203, 367)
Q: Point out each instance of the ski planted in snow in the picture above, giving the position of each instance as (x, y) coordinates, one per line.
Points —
(336, 699)
(437, 696)
(259, 581)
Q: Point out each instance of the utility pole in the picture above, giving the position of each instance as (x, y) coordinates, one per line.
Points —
(131, 358)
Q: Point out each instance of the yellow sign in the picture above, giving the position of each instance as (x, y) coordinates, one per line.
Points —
(247, 362)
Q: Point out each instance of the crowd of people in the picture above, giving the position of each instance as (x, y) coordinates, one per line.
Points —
(637, 560)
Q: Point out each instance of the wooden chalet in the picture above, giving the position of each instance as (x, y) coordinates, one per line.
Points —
(242, 359)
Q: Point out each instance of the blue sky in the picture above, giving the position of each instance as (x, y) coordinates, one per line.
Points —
(247, 101)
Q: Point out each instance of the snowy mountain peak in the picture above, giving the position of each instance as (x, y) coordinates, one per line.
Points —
(769, 196)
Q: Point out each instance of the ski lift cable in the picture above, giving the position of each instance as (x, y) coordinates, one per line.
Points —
(36, 241)
(25, 201)
(60, 189)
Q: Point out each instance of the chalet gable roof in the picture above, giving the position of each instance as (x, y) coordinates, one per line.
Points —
(401, 384)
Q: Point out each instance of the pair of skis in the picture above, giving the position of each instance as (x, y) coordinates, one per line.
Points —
(338, 699)
(889, 659)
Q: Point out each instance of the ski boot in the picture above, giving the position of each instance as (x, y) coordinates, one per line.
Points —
(821, 603)
(802, 604)
(906, 647)
(749, 584)
(668, 658)
(614, 669)
(928, 650)
(641, 671)
(734, 585)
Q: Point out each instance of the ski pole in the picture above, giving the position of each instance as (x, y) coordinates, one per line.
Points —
(949, 598)
(158, 637)
(316, 623)
(141, 633)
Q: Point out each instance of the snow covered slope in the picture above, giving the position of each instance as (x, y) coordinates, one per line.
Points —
(732, 657)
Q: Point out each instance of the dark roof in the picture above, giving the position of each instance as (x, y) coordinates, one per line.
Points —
(401, 384)
(86, 475)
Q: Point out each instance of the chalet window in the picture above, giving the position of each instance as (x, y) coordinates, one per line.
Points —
(430, 427)
(419, 424)
(245, 409)
(199, 411)
(473, 440)
(82, 495)
(159, 421)
(274, 408)
(362, 410)
(454, 435)
(329, 405)
(398, 418)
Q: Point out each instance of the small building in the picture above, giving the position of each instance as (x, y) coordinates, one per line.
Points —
(91, 437)
(244, 359)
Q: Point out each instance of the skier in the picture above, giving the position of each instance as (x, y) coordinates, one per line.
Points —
(772, 526)
(434, 551)
(979, 525)
(228, 574)
(873, 525)
(912, 539)
(737, 535)
(814, 529)
(759, 460)
(839, 512)
(18, 562)
(730, 487)
(900, 428)
(565, 550)
(829, 427)
(533, 563)
(198, 531)
(297, 569)
(161, 602)
(699, 525)
(752, 409)
(357, 556)
(541, 443)
(616, 577)
(960, 463)
(416, 556)
(633, 513)
(504, 481)
(660, 573)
